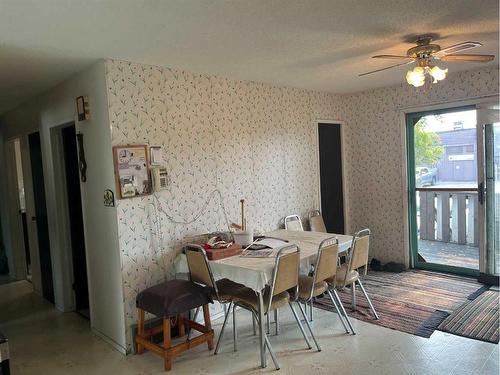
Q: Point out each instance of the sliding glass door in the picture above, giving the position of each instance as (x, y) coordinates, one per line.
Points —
(454, 190)
(489, 188)
(443, 190)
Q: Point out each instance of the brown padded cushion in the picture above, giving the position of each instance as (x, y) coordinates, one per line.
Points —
(249, 298)
(351, 277)
(227, 289)
(172, 297)
(305, 285)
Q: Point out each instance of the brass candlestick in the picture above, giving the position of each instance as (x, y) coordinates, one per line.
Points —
(243, 224)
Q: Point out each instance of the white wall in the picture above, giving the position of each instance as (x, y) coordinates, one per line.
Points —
(45, 112)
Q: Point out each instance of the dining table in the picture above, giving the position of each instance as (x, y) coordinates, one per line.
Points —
(257, 272)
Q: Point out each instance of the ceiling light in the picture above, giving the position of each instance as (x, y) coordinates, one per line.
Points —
(416, 77)
(437, 73)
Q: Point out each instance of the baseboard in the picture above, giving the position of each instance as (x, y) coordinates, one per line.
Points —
(109, 341)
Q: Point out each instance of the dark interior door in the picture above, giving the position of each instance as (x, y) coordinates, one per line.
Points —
(41, 216)
(80, 285)
(330, 165)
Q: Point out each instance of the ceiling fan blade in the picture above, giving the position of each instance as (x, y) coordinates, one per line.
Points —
(457, 48)
(471, 58)
(389, 57)
(387, 67)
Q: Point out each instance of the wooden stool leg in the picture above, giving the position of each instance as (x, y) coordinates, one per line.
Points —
(167, 343)
(208, 325)
(140, 330)
(182, 329)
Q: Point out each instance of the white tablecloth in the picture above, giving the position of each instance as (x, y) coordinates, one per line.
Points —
(255, 273)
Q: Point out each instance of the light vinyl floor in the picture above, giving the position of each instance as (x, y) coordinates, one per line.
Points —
(45, 341)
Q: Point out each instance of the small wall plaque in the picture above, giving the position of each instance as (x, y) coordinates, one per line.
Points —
(109, 198)
(82, 108)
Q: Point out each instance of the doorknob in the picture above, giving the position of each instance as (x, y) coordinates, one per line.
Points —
(480, 193)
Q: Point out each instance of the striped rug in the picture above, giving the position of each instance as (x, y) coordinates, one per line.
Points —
(415, 301)
(477, 319)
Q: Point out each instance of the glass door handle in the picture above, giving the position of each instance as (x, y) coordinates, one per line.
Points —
(480, 193)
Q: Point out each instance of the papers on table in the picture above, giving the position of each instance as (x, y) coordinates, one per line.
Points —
(265, 253)
(270, 242)
(269, 245)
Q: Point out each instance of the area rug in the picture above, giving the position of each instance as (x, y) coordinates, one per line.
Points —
(415, 302)
(477, 319)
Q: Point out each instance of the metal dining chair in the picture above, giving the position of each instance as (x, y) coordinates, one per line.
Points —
(293, 222)
(348, 273)
(283, 290)
(320, 282)
(316, 222)
(200, 272)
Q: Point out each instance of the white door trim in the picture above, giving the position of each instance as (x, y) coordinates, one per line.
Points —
(36, 273)
(62, 219)
(18, 261)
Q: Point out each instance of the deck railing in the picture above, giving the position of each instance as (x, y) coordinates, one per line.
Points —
(448, 215)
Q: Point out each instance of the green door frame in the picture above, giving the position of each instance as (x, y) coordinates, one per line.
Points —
(411, 120)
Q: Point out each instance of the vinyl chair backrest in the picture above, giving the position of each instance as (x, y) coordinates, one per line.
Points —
(286, 271)
(199, 269)
(358, 256)
(316, 222)
(326, 261)
(293, 222)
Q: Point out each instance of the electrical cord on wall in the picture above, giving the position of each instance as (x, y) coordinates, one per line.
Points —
(200, 213)
(158, 208)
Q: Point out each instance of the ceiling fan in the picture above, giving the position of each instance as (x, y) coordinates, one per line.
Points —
(425, 55)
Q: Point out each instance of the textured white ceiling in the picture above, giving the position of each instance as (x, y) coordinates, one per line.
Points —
(313, 44)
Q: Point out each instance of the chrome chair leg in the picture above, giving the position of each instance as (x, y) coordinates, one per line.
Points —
(262, 334)
(353, 296)
(309, 327)
(311, 317)
(342, 309)
(268, 324)
(228, 311)
(253, 324)
(368, 299)
(259, 319)
(300, 325)
(235, 332)
(276, 322)
(337, 308)
(271, 351)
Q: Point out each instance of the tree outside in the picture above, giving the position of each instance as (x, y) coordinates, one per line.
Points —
(428, 149)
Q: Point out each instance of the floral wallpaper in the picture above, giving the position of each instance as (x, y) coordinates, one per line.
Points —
(374, 156)
(258, 142)
(248, 140)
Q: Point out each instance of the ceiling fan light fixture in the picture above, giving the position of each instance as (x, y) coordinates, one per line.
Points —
(437, 73)
(416, 77)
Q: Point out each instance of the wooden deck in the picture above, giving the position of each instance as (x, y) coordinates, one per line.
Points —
(451, 254)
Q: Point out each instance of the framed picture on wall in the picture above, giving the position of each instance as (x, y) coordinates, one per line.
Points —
(131, 170)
